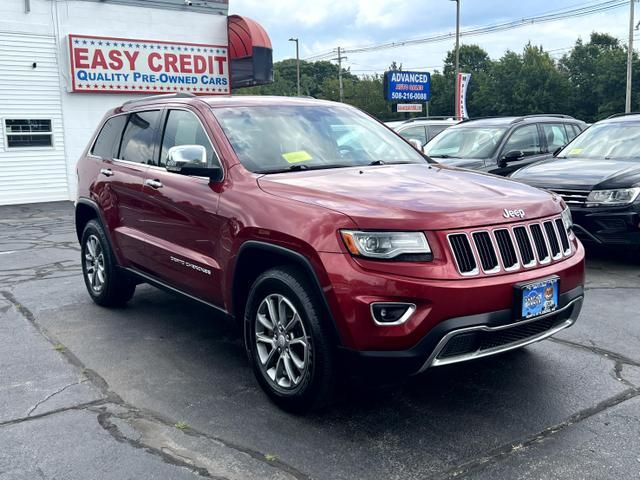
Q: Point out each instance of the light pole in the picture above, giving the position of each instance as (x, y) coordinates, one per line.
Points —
(297, 63)
(627, 102)
(455, 94)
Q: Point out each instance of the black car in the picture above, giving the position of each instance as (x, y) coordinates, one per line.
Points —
(598, 176)
(502, 145)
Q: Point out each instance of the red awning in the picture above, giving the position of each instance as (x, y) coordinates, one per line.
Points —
(244, 35)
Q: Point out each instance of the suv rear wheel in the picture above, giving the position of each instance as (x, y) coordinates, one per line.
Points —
(289, 347)
(107, 285)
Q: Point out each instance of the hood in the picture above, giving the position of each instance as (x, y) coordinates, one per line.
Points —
(412, 197)
(581, 173)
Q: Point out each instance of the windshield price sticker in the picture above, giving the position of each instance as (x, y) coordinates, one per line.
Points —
(414, 86)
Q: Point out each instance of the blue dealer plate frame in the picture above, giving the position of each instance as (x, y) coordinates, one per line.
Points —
(537, 298)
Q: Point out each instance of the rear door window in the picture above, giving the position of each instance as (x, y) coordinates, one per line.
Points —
(108, 142)
(139, 136)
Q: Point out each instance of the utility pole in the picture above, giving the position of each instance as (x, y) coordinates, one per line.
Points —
(457, 86)
(297, 63)
(627, 103)
(340, 59)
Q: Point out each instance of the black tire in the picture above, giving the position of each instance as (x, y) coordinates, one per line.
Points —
(117, 287)
(315, 386)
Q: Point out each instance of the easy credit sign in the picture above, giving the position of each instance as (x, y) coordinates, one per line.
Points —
(121, 65)
(403, 86)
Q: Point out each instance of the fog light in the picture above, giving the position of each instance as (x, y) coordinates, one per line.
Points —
(391, 313)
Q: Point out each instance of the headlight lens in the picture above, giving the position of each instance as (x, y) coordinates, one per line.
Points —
(621, 196)
(567, 219)
(385, 245)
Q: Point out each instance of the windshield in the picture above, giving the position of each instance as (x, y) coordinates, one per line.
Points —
(465, 142)
(609, 140)
(270, 139)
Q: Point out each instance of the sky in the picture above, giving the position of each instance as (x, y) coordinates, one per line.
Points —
(322, 25)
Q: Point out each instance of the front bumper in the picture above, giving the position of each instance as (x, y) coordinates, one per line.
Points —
(608, 225)
(466, 338)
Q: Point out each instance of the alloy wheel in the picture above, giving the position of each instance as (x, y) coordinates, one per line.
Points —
(94, 264)
(282, 343)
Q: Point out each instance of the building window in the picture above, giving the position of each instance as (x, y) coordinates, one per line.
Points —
(23, 133)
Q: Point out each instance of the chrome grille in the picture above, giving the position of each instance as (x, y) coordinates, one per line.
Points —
(573, 197)
(509, 248)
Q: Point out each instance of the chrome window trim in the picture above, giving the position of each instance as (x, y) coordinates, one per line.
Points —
(405, 316)
(473, 272)
(433, 361)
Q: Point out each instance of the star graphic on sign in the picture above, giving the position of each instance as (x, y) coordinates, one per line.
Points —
(172, 47)
(111, 86)
(84, 42)
(77, 42)
(144, 46)
(100, 42)
(123, 44)
(165, 47)
(108, 44)
(137, 45)
(131, 45)
(92, 42)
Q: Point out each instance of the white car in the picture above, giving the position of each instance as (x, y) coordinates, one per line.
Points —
(423, 129)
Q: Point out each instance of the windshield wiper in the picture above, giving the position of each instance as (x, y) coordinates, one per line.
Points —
(300, 167)
(444, 155)
(377, 162)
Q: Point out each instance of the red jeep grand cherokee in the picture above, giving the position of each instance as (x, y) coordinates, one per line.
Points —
(327, 235)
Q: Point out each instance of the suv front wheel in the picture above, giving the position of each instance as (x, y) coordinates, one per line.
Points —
(289, 346)
(107, 285)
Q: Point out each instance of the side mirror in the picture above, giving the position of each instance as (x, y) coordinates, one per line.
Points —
(513, 155)
(417, 144)
(191, 160)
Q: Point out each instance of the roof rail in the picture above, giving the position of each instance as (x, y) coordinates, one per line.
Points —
(554, 115)
(160, 97)
(624, 114)
(436, 117)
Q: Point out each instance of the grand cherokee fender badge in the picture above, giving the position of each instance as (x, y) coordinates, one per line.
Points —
(190, 265)
(519, 213)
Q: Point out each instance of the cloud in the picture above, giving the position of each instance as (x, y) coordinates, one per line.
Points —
(322, 25)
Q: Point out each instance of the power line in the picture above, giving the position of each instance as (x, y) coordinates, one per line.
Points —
(543, 18)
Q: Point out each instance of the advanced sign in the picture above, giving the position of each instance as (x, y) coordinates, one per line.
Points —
(120, 65)
(400, 86)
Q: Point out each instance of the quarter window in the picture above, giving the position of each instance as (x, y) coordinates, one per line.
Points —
(108, 141)
(525, 139)
(24, 133)
(137, 140)
(184, 128)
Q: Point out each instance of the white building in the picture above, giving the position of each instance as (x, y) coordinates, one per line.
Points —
(47, 114)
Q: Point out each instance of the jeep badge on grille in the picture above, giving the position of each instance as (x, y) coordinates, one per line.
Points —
(519, 213)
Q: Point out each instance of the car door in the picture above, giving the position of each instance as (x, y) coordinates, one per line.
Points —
(181, 225)
(118, 188)
(526, 139)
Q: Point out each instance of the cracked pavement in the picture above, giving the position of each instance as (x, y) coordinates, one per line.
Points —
(161, 388)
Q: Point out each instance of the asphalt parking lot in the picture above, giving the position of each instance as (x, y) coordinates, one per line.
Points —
(161, 389)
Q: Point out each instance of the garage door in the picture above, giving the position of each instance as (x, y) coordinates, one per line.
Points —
(32, 160)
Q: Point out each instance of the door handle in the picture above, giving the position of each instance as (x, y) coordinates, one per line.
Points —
(107, 172)
(153, 183)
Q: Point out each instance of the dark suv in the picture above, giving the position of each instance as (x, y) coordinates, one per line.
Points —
(329, 237)
(502, 145)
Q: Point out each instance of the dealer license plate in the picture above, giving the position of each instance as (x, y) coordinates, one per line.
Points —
(539, 297)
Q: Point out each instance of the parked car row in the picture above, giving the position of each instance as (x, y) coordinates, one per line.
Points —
(597, 173)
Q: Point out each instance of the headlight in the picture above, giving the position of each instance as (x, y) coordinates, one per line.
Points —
(567, 219)
(621, 196)
(385, 245)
